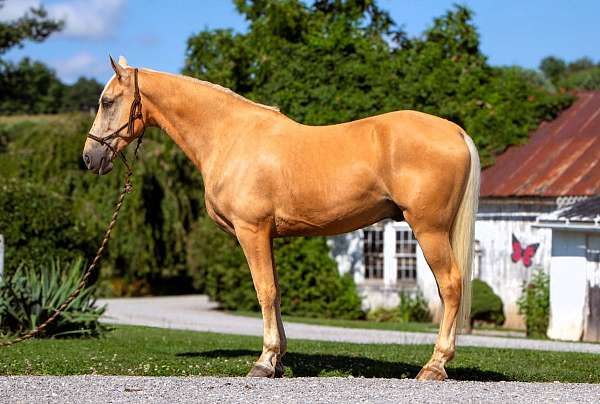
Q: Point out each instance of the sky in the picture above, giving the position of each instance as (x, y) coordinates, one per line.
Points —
(153, 33)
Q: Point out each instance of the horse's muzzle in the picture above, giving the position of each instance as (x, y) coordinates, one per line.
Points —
(98, 161)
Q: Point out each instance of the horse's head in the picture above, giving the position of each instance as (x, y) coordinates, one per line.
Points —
(119, 120)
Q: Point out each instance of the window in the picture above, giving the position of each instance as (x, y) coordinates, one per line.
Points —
(406, 256)
(373, 253)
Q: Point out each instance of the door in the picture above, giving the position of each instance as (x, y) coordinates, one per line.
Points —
(591, 330)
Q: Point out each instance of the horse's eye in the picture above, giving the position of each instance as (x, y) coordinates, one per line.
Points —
(107, 103)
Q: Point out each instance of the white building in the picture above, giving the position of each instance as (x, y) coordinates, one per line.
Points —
(559, 166)
(575, 271)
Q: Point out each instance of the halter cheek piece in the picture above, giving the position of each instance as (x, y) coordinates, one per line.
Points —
(135, 113)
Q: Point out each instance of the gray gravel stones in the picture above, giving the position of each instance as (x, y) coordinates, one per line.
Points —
(118, 389)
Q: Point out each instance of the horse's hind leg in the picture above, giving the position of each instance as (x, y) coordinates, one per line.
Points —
(435, 244)
(257, 246)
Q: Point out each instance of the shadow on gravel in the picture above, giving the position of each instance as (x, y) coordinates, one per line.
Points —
(306, 365)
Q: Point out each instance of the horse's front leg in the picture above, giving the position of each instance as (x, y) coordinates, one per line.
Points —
(257, 245)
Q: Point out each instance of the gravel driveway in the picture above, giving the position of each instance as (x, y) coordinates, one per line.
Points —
(117, 389)
(198, 314)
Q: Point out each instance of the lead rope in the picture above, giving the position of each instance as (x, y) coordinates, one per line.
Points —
(134, 113)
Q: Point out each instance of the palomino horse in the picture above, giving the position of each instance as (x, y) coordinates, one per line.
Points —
(268, 176)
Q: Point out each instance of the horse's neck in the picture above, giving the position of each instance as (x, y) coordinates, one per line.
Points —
(200, 118)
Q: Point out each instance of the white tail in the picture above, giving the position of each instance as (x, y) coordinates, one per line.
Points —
(462, 233)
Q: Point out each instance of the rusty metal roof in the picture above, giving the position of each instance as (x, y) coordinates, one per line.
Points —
(562, 157)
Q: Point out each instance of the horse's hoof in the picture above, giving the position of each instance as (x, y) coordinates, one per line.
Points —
(432, 373)
(279, 369)
(260, 370)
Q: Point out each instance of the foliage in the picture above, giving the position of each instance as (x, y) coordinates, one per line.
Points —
(486, 305)
(149, 242)
(310, 283)
(580, 74)
(534, 304)
(30, 87)
(553, 68)
(333, 61)
(414, 307)
(218, 267)
(383, 315)
(34, 25)
(30, 295)
(81, 96)
(308, 277)
(36, 221)
(142, 351)
(588, 79)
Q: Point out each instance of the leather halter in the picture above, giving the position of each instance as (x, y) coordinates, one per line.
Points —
(135, 113)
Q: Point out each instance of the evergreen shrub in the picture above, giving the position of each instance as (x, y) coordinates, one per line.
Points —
(486, 306)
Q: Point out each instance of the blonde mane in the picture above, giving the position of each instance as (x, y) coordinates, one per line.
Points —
(216, 87)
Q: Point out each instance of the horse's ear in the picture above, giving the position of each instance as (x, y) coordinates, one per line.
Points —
(123, 61)
(120, 71)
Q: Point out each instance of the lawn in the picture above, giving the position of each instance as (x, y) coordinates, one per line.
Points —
(366, 324)
(151, 351)
(409, 326)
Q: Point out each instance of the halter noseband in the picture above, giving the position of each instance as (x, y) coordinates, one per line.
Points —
(135, 113)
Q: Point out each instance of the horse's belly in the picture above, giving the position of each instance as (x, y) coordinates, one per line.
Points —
(331, 220)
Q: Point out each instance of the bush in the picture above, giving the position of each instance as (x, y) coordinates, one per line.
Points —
(588, 79)
(36, 222)
(384, 315)
(486, 306)
(218, 267)
(534, 304)
(414, 307)
(29, 296)
(310, 283)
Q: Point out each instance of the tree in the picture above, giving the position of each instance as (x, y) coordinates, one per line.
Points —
(29, 87)
(338, 60)
(82, 95)
(580, 74)
(554, 68)
(34, 25)
(588, 79)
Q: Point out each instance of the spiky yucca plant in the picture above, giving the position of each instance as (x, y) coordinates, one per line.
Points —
(31, 294)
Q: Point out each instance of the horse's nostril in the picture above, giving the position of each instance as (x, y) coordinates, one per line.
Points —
(87, 160)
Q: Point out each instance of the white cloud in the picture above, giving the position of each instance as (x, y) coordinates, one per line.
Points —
(13, 9)
(80, 64)
(90, 19)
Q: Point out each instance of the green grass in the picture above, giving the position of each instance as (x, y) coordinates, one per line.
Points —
(159, 352)
(374, 325)
(46, 118)
(366, 324)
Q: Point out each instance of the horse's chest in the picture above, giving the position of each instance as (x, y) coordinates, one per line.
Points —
(218, 215)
